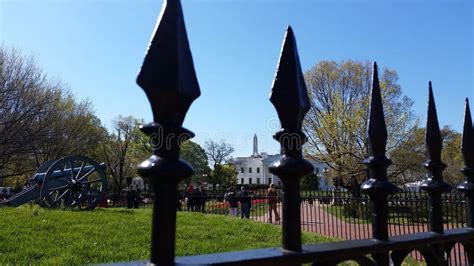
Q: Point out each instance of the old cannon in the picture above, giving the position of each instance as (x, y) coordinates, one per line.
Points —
(70, 182)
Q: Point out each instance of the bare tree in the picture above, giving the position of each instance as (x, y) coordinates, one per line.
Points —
(24, 96)
(39, 119)
(219, 154)
(117, 150)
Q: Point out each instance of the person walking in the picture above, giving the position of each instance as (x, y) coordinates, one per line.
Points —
(272, 203)
(189, 198)
(196, 196)
(130, 198)
(231, 198)
(245, 202)
(136, 198)
(203, 199)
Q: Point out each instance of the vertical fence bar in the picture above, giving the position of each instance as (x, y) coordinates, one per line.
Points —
(467, 147)
(377, 186)
(434, 184)
(467, 186)
(168, 78)
(290, 98)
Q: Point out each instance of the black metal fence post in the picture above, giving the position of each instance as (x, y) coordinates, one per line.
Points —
(434, 184)
(377, 186)
(168, 78)
(467, 186)
(290, 98)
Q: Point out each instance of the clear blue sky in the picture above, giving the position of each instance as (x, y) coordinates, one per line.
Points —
(98, 46)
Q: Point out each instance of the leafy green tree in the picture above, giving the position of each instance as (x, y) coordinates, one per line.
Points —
(411, 155)
(73, 129)
(336, 122)
(408, 158)
(223, 174)
(310, 182)
(451, 155)
(195, 155)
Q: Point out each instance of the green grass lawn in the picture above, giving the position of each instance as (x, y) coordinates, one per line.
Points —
(32, 235)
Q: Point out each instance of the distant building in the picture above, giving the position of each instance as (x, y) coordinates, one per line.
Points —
(138, 183)
(253, 170)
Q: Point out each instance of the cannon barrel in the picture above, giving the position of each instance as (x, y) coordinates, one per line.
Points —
(39, 177)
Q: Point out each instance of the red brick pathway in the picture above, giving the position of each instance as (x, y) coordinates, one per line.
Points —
(316, 218)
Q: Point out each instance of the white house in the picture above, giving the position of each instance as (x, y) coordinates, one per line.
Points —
(138, 183)
(254, 169)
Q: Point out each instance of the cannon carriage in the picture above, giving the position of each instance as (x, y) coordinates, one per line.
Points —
(71, 182)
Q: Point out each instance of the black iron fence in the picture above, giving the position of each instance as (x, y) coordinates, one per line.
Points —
(168, 78)
(336, 214)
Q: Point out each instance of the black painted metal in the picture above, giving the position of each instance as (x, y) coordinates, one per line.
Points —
(377, 186)
(468, 153)
(434, 184)
(168, 78)
(290, 98)
(325, 253)
(169, 81)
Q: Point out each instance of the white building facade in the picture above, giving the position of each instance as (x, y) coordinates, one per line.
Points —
(253, 170)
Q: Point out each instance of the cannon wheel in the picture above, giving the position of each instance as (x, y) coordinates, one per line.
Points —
(82, 188)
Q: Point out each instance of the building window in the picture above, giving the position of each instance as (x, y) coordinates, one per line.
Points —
(258, 180)
(241, 181)
(258, 170)
(242, 170)
(317, 170)
(279, 183)
(269, 180)
(250, 170)
(250, 181)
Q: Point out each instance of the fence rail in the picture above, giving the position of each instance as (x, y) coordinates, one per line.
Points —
(168, 78)
(336, 214)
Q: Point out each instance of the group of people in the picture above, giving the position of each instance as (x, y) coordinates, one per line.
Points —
(196, 199)
(134, 198)
(233, 198)
(245, 199)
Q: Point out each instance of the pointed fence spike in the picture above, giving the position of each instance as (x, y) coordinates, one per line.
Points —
(434, 184)
(167, 75)
(289, 94)
(168, 78)
(377, 186)
(467, 146)
(290, 98)
(376, 129)
(434, 142)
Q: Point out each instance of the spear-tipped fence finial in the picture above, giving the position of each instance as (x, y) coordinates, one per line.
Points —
(467, 148)
(434, 184)
(290, 98)
(168, 78)
(167, 75)
(377, 186)
(376, 129)
(433, 138)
